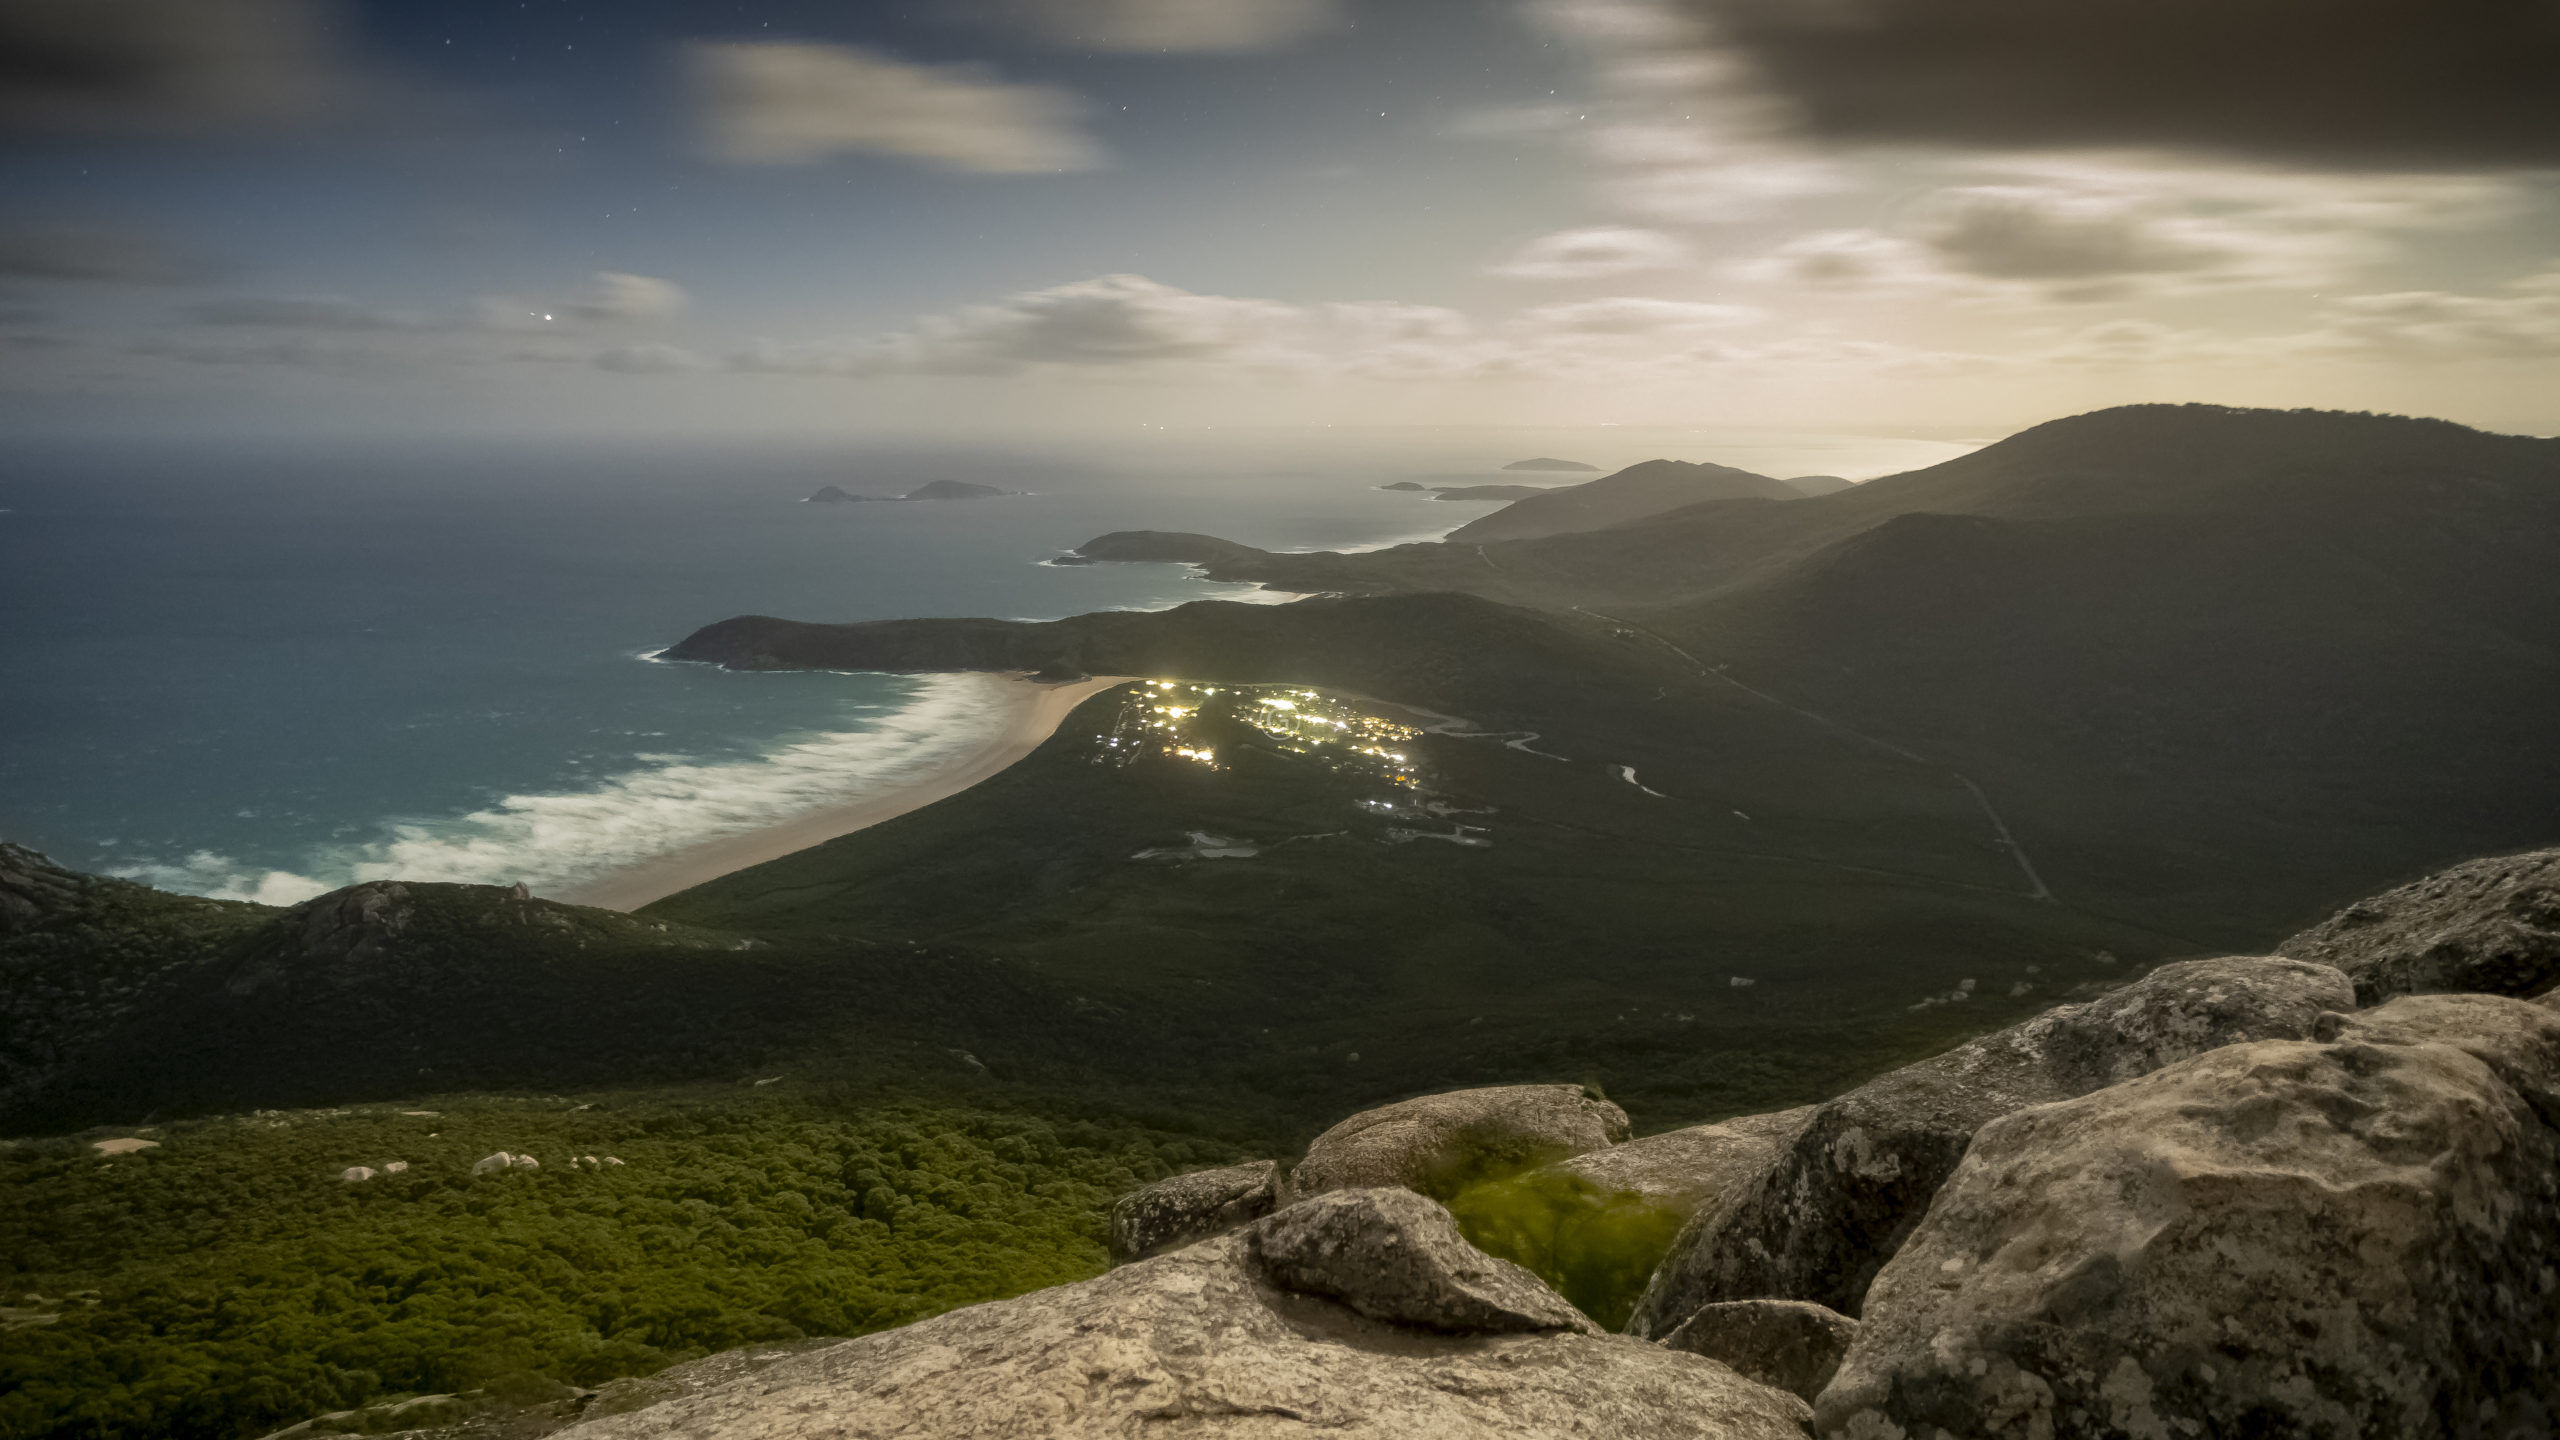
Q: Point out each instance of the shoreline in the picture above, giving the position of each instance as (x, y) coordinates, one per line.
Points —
(1037, 712)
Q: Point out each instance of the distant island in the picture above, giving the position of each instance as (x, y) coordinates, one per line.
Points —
(1549, 462)
(1486, 492)
(956, 490)
(935, 490)
(1822, 484)
(1471, 492)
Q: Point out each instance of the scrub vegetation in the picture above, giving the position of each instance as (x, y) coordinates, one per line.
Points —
(227, 1282)
(1596, 1247)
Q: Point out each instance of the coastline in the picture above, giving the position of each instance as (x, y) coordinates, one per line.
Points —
(1036, 712)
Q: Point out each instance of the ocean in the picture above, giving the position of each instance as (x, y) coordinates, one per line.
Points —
(264, 671)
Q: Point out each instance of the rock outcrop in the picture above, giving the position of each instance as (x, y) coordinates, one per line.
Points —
(1176, 1211)
(1436, 1143)
(2490, 926)
(1841, 1197)
(2355, 1236)
(1395, 1256)
(1793, 1344)
(1202, 1344)
(1688, 1170)
(357, 924)
(33, 888)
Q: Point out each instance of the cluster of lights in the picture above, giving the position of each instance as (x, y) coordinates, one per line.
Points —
(1157, 717)
(1305, 722)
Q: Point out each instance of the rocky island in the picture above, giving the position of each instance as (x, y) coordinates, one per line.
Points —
(933, 490)
(1503, 493)
(1469, 492)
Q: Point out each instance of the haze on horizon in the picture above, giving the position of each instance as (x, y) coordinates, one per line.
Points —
(1001, 216)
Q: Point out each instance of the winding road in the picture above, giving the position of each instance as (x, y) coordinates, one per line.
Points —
(2008, 839)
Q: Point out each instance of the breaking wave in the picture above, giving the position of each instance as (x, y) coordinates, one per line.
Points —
(555, 841)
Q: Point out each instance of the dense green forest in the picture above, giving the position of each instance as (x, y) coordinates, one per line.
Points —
(227, 1282)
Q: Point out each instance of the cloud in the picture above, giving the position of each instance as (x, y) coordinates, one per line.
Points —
(611, 298)
(1749, 183)
(1511, 122)
(327, 355)
(1593, 253)
(1124, 325)
(783, 103)
(1176, 25)
(2086, 229)
(2380, 83)
(2133, 344)
(648, 358)
(2523, 323)
(614, 297)
(1635, 316)
(83, 66)
(1111, 321)
(1678, 131)
(2012, 234)
(1395, 322)
(83, 252)
(308, 312)
(2085, 245)
(1864, 262)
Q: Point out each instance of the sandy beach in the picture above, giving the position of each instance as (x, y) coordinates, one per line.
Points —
(1036, 712)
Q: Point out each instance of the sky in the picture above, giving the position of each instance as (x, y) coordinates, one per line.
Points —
(1010, 217)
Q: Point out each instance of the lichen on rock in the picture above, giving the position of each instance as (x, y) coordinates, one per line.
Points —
(2355, 1237)
(1396, 1256)
(2490, 926)
(1203, 1343)
(1795, 1345)
(1437, 1143)
(1181, 1209)
(1837, 1201)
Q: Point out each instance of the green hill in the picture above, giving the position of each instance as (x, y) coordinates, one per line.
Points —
(1650, 488)
(2228, 662)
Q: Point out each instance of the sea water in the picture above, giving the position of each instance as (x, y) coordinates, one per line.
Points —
(261, 672)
